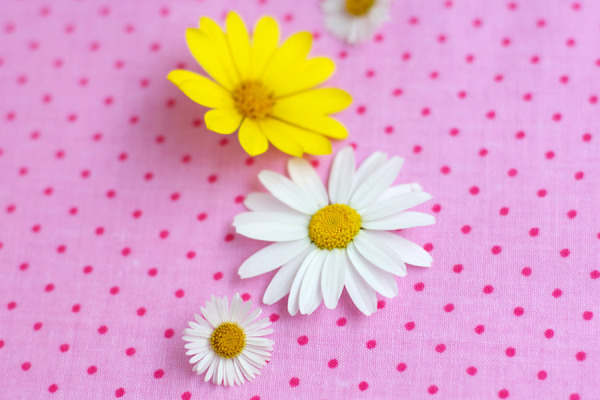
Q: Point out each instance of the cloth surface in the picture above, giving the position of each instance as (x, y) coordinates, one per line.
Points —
(116, 204)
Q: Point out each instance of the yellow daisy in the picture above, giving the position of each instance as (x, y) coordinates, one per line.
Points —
(264, 91)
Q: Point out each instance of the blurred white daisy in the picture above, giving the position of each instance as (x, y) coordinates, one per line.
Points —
(227, 342)
(326, 241)
(355, 21)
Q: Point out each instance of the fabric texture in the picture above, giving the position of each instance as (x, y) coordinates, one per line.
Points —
(116, 204)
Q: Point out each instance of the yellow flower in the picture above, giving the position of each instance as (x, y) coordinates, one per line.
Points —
(264, 91)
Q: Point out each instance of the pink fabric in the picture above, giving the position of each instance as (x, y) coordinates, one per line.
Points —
(116, 204)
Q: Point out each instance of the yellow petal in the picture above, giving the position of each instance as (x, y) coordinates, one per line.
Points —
(239, 43)
(280, 139)
(311, 73)
(316, 101)
(318, 123)
(311, 143)
(264, 45)
(252, 139)
(200, 89)
(208, 57)
(289, 57)
(178, 76)
(219, 42)
(223, 120)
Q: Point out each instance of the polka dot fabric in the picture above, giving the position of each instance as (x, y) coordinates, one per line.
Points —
(116, 204)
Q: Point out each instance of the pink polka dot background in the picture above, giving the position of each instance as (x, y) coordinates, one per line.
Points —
(116, 204)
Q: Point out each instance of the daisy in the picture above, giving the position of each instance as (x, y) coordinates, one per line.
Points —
(328, 240)
(263, 90)
(226, 341)
(355, 21)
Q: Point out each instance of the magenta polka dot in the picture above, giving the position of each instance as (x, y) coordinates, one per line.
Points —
(302, 340)
(518, 311)
(294, 382)
(542, 375)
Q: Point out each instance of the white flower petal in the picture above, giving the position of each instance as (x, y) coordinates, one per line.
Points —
(370, 165)
(211, 368)
(288, 192)
(198, 353)
(272, 257)
(411, 253)
(360, 292)
(238, 372)
(201, 321)
(383, 282)
(310, 291)
(244, 368)
(394, 205)
(293, 299)
(244, 311)
(261, 354)
(223, 308)
(251, 317)
(218, 377)
(265, 202)
(204, 363)
(211, 316)
(333, 277)
(282, 281)
(259, 324)
(257, 360)
(236, 305)
(197, 343)
(272, 226)
(305, 176)
(260, 342)
(376, 184)
(261, 332)
(229, 372)
(402, 220)
(341, 176)
(379, 253)
(396, 190)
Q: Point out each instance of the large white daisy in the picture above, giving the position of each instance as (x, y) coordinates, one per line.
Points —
(355, 21)
(326, 241)
(227, 342)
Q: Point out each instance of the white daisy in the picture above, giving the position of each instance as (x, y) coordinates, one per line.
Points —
(355, 20)
(328, 241)
(226, 341)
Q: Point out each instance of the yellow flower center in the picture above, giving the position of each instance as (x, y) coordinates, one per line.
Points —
(253, 100)
(359, 8)
(334, 226)
(228, 340)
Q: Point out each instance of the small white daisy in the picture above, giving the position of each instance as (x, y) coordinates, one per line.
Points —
(355, 20)
(226, 341)
(328, 241)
